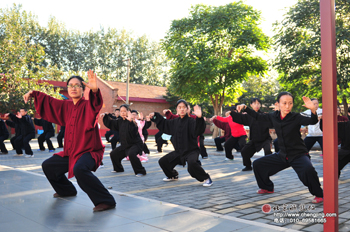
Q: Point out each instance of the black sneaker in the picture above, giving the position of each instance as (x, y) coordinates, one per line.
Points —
(247, 169)
(171, 179)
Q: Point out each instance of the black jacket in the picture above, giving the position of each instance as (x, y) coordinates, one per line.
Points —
(17, 127)
(259, 132)
(47, 126)
(128, 131)
(184, 132)
(3, 129)
(288, 131)
(145, 127)
(26, 124)
(343, 134)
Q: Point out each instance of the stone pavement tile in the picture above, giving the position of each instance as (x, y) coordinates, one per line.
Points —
(251, 216)
(245, 206)
(250, 210)
(234, 214)
(226, 211)
(344, 228)
(314, 228)
(223, 206)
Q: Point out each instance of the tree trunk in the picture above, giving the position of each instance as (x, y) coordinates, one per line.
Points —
(217, 111)
(345, 103)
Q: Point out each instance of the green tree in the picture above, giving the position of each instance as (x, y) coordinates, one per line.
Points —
(298, 42)
(212, 52)
(21, 59)
(266, 89)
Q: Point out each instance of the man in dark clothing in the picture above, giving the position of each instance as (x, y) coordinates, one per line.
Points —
(4, 134)
(18, 134)
(344, 151)
(27, 131)
(49, 132)
(259, 136)
(60, 136)
(184, 131)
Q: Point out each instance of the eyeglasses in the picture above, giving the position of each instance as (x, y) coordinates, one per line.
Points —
(74, 86)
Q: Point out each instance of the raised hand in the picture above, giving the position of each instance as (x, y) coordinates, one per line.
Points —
(166, 110)
(141, 116)
(27, 96)
(19, 115)
(102, 115)
(197, 110)
(6, 115)
(309, 104)
(241, 107)
(92, 79)
(129, 117)
(151, 115)
(212, 118)
(148, 118)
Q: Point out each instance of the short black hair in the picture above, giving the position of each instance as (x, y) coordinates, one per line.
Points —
(282, 94)
(117, 109)
(313, 99)
(25, 109)
(135, 111)
(254, 99)
(79, 78)
(181, 101)
(126, 106)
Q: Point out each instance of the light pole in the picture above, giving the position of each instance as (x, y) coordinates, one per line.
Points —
(127, 80)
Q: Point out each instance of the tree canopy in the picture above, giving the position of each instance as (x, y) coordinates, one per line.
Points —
(298, 42)
(212, 51)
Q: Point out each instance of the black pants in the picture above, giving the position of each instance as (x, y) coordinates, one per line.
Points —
(120, 153)
(251, 148)
(159, 135)
(108, 134)
(60, 137)
(310, 141)
(169, 161)
(46, 137)
(275, 144)
(19, 140)
(343, 159)
(269, 165)
(2, 145)
(56, 167)
(203, 150)
(160, 142)
(232, 142)
(25, 141)
(145, 148)
(114, 140)
(218, 141)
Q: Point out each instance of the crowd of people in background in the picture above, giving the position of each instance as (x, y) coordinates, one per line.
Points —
(83, 148)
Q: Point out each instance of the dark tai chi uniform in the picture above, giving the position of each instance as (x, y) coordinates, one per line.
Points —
(49, 132)
(17, 133)
(27, 132)
(184, 132)
(259, 137)
(293, 152)
(145, 135)
(130, 144)
(60, 136)
(83, 148)
(4, 134)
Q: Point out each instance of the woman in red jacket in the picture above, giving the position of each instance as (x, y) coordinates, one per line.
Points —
(83, 148)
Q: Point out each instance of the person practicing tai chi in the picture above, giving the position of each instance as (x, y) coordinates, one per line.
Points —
(49, 132)
(293, 152)
(27, 132)
(83, 149)
(184, 131)
(4, 134)
(238, 137)
(259, 136)
(130, 141)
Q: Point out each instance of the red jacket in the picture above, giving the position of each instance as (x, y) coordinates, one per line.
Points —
(224, 126)
(237, 130)
(82, 134)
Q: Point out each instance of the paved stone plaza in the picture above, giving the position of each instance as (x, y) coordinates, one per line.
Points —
(230, 204)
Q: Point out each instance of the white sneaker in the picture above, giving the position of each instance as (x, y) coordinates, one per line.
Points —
(113, 171)
(146, 154)
(171, 179)
(227, 159)
(18, 155)
(208, 182)
(29, 156)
